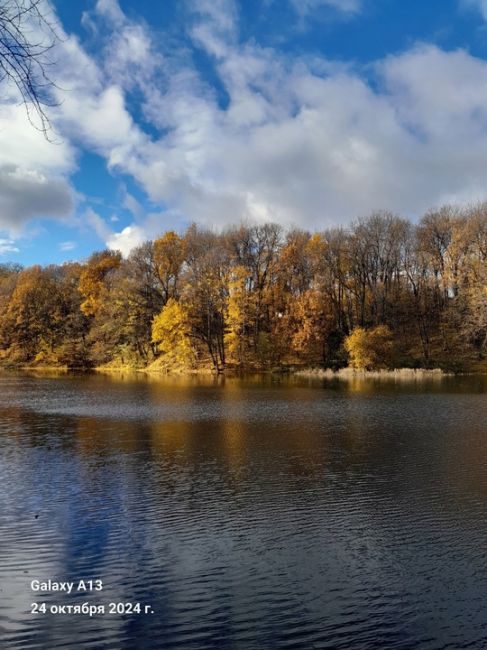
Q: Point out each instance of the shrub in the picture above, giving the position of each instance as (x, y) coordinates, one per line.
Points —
(370, 349)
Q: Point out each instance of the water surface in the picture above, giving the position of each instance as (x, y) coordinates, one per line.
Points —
(248, 513)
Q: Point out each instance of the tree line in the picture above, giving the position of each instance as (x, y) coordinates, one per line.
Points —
(384, 292)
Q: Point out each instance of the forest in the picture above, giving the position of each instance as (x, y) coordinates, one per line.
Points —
(381, 293)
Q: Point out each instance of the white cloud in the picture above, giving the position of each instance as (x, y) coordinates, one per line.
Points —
(131, 204)
(7, 246)
(24, 146)
(100, 122)
(216, 25)
(33, 171)
(302, 141)
(296, 145)
(315, 149)
(122, 241)
(130, 58)
(67, 246)
(111, 10)
(128, 238)
(25, 194)
(479, 5)
(222, 15)
(98, 224)
(91, 114)
(442, 94)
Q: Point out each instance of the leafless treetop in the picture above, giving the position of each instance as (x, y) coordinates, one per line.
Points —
(27, 36)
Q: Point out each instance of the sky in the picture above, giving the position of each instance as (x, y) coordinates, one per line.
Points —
(308, 113)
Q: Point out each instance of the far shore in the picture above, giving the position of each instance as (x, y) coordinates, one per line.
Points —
(296, 371)
(348, 373)
(354, 373)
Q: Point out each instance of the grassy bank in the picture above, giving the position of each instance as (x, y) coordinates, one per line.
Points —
(403, 374)
(161, 367)
(317, 373)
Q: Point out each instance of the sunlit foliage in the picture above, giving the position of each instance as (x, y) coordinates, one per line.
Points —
(382, 293)
(370, 349)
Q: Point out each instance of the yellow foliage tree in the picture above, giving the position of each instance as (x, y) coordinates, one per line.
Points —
(314, 321)
(370, 349)
(169, 255)
(171, 332)
(240, 310)
(92, 278)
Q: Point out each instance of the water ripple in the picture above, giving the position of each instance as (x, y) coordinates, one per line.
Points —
(247, 516)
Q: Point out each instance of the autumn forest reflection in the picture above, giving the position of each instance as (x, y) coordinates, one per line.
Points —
(333, 509)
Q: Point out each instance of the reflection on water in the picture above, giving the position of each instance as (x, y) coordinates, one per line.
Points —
(256, 513)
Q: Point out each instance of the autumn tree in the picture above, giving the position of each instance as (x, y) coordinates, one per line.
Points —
(256, 249)
(169, 254)
(35, 320)
(205, 293)
(93, 276)
(370, 349)
(473, 279)
(314, 324)
(241, 310)
(72, 346)
(121, 329)
(171, 332)
(386, 290)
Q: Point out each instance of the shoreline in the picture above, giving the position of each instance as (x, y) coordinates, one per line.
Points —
(397, 373)
(291, 371)
(346, 373)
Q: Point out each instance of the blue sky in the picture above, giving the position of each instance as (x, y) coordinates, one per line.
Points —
(305, 112)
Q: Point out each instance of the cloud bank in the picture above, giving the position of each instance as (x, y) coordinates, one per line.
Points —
(301, 140)
(310, 142)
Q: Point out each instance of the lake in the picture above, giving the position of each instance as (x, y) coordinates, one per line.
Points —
(244, 513)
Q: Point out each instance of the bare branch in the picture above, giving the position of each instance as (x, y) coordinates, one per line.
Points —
(27, 36)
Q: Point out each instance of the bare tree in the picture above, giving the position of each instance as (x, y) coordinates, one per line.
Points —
(27, 36)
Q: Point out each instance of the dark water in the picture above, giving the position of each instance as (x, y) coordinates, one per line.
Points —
(246, 513)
